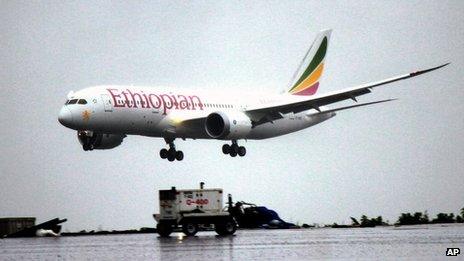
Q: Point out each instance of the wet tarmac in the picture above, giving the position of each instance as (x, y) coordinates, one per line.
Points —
(406, 242)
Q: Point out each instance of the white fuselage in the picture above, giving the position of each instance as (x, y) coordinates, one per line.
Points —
(160, 112)
(104, 115)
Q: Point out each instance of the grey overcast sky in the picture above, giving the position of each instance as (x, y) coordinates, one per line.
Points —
(385, 159)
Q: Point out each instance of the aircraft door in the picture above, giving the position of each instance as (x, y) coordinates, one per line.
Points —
(107, 103)
(153, 118)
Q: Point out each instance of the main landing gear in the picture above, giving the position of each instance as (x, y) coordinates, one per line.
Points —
(171, 154)
(234, 150)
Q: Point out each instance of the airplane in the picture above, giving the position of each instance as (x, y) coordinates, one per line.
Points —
(104, 115)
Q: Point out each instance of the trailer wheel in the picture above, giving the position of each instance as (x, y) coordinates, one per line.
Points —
(164, 230)
(190, 229)
(226, 228)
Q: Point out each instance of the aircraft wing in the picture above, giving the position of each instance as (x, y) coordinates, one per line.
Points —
(269, 113)
(193, 121)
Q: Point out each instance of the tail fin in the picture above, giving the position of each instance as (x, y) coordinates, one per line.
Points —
(311, 66)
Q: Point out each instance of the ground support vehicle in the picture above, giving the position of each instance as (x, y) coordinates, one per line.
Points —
(193, 210)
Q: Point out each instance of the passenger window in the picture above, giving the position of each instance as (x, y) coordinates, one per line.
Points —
(82, 101)
(73, 101)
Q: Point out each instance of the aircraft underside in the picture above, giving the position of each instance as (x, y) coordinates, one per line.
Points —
(92, 139)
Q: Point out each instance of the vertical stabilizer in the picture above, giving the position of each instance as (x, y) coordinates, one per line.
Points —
(306, 78)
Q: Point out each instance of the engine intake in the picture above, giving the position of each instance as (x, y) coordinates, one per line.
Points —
(217, 126)
(222, 125)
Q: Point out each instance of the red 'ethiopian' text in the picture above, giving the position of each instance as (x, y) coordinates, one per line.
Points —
(163, 102)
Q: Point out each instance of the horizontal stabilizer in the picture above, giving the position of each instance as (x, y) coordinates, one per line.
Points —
(357, 105)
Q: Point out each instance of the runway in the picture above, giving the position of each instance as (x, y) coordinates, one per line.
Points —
(410, 242)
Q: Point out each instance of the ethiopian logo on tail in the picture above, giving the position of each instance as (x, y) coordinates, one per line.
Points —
(308, 83)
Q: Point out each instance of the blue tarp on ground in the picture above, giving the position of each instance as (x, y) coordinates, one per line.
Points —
(260, 216)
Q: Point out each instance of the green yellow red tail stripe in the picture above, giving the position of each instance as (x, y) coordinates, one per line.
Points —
(308, 82)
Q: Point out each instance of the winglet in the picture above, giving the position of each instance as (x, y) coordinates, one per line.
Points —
(371, 85)
(427, 70)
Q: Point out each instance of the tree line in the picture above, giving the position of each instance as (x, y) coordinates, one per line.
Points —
(416, 218)
(423, 218)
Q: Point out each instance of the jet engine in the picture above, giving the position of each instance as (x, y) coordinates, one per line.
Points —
(91, 140)
(228, 125)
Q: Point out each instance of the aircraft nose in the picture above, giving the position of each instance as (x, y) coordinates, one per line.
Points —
(65, 117)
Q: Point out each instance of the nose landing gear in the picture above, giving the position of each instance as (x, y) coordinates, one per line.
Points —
(234, 150)
(171, 154)
(87, 139)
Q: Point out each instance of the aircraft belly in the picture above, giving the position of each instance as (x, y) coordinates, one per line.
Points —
(154, 124)
(134, 121)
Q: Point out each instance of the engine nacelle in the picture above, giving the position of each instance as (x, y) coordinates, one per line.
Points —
(99, 141)
(228, 125)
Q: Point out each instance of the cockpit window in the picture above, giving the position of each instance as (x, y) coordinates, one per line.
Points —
(73, 101)
(82, 101)
(66, 102)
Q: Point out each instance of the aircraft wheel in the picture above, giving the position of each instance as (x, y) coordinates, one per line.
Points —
(87, 147)
(179, 155)
(163, 153)
(233, 153)
(171, 154)
(226, 148)
(241, 151)
(234, 148)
